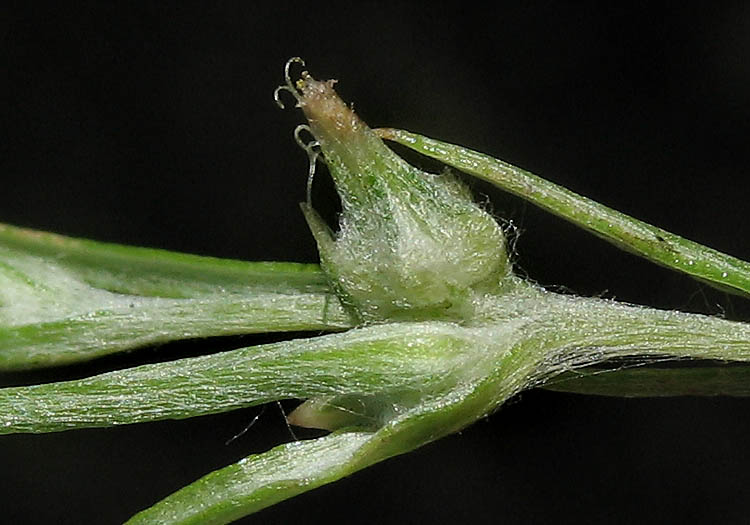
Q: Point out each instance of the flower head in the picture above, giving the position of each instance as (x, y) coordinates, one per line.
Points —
(411, 244)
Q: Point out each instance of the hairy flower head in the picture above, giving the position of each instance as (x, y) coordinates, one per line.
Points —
(411, 244)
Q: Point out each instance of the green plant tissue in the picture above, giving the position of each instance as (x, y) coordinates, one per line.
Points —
(410, 245)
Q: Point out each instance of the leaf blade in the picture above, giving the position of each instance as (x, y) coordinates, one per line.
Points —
(65, 300)
(257, 481)
(153, 272)
(657, 245)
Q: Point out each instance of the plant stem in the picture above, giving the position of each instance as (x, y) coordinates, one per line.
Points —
(368, 361)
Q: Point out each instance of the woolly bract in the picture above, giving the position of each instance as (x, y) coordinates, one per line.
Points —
(411, 245)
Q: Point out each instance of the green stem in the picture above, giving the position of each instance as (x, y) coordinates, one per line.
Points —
(529, 333)
(552, 334)
(367, 361)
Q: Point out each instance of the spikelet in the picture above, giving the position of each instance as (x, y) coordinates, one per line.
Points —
(411, 245)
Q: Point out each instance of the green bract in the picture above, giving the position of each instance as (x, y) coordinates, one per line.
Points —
(411, 245)
(435, 330)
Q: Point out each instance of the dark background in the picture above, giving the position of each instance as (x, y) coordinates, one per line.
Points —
(156, 126)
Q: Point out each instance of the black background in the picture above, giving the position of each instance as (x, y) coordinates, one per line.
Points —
(156, 126)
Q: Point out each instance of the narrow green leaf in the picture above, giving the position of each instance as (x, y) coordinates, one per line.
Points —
(723, 380)
(257, 482)
(648, 241)
(64, 300)
(152, 272)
